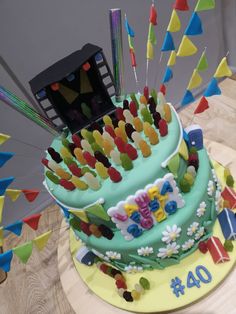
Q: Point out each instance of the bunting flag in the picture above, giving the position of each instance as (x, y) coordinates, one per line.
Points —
(183, 150)
(2, 198)
(168, 44)
(4, 138)
(212, 89)
(188, 98)
(80, 214)
(195, 26)
(202, 106)
(163, 89)
(24, 251)
(223, 69)
(203, 5)
(195, 81)
(153, 15)
(174, 24)
(150, 51)
(152, 35)
(173, 164)
(172, 59)
(4, 183)
(15, 228)
(98, 211)
(5, 260)
(30, 195)
(129, 30)
(202, 63)
(65, 210)
(32, 221)
(168, 75)
(4, 157)
(186, 47)
(13, 194)
(41, 241)
(181, 5)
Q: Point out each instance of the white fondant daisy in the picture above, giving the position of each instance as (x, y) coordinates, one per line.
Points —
(201, 210)
(113, 255)
(169, 250)
(145, 251)
(187, 245)
(218, 201)
(210, 188)
(193, 228)
(171, 234)
(214, 175)
(199, 233)
(102, 256)
(133, 269)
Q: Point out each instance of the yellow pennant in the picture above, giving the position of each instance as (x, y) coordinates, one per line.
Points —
(183, 150)
(195, 81)
(80, 214)
(2, 198)
(41, 241)
(186, 47)
(174, 24)
(172, 59)
(223, 69)
(150, 51)
(13, 194)
(1, 236)
(4, 138)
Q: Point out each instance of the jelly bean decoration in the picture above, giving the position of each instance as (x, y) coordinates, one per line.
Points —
(101, 170)
(134, 230)
(87, 169)
(108, 137)
(114, 175)
(184, 185)
(79, 184)
(138, 288)
(143, 100)
(152, 105)
(188, 177)
(89, 137)
(107, 147)
(145, 149)
(98, 137)
(191, 170)
(45, 162)
(65, 152)
(156, 118)
(135, 295)
(147, 223)
(63, 174)
(125, 104)
(154, 205)
(136, 138)
(202, 246)
(228, 245)
(126, 162)
(146, 116)
(68, 185)
(167, 113)
(95, 231)
(120, 133)
(171, 207)
(121, 217)
(120, 144)
(128, 116)
(72, 147)
(115, 156)
(131, 151)
(107, 120)
(144, 283)
(163, 127)
(68, 161)
(154, 95)
(77, 140)
(138, 125)
(117, 274)
(133, 109)
(110, 130)
(121, 292)
(53, 165)
(230, 181)
(55, 155)
(104, 268)
(129, 130)
(103, 159)
(85, 228)
(152, 136)
(193, 161)
(86, 146)
(91, 160)
(134, 99)
(79, 156)
(106, 232)
(121, 125)
(65, 142)
(75, 170)
(136, 217)
(146, 92)
(127, 296)
(115, 122)
(51, 176)
(121, 284)
(166, 188)
(96, 148)
(146, 126)
(92, 181)
(119, 114)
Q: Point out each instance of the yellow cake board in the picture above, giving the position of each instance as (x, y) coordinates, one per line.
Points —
(160, 297)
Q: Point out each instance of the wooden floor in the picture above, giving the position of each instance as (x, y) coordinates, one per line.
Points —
(35, 288)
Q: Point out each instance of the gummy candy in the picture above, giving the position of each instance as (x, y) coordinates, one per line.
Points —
(81, 185)
(91, 160)
(126, 162)
(96, 148)
(87, 169)
(152, 105)
(138, 125)
(146, 116)
(154, 95)
(106, 232)
(103, 159)
(107, 146)
(144, 283)
(136, 138)
(184, 185)
(63, 174)
(138, 288)
(77, 140)
(133, 109)
(128, 116)
(146, 126)
(65, 142)
(55, 155)
(163, 127)
(108, 137)
(202, 246)
(121, 292)
(75, 170)
(68, 185)
(167, 113)
(153, 136)
(189, 178)
(95, 231)
(45, 162)
(121, 125)
(129, 130)
(52, 177)
(127, 296)
(193, 161)
(92, 181)
(53, 165)
(115, 156)
(145, 148)
(134, 99)
(79, 156)
(230, 181)
(107, 120)
(96, 126)
(114, 175)
(98, 137)
(119, 114)
(121, 284)
(85, 228)
(110, 130)
(157, 118)
(72, 147)
(86, 146)
(125, 104)
(143, 100)
(228, 245)
(120, 144)
(101, 170)
(131, 151)
(89, 137)
(65, 152)
(146, 92)
(120, 133)
(135, 295)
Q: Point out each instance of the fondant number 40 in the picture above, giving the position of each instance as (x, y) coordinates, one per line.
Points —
(202, 273)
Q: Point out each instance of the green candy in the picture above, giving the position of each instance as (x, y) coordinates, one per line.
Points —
(184, 185)
(192, 150)
(65, 142)
(90, 138)
(52, 177)
(86, 110)
(230, 181)
(189, 178)
(68, 161)
(86, 169)
(144, 283)
(133, 97)
(228, 245)
(154, 95)
(96, 148)
(75, 224)
(126, 162)
(146, 115)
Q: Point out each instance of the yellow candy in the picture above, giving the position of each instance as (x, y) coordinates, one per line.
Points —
(107, 120)
(98, 137)
(101, 170)
(145, 148)
(153, 136)
(130, 208)
(79, 156)
(189, 178)
(135, 295)
(79, 183)
(107, 147)
(120, 133)
(167, 113)
(107, 136)
(143, 100)
(65, 153)
(138, 125)
(63, 174)
(121, 125)
(146, 127)
(84, 133)
(159, 215)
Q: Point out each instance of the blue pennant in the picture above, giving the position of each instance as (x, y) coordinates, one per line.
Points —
(168, 75)
(212, 88)
(65, 210)
(4, 157)
(188, 98)
(195, 26)
(5, 260)
(168, 44)
(129, 30)
(16, 227)
(4, 183)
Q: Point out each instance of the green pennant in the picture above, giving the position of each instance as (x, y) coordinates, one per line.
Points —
(24, 251)
(202, 63)
(173, 164)
(75, 224)
(98, 211)
(203, 5)
(151, 34)
(130, 40)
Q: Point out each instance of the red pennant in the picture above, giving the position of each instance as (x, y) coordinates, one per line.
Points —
(32, 221)
(153, 15)
(202, 106)
(163, 89)
(181, 5)
(30, 195)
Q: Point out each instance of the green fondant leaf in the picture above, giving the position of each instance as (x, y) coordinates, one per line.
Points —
(98, 211)
(144, 260)
(173, 164)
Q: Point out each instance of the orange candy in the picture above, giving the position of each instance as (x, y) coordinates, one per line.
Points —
(79, 156)
(107, 147)
(153, 136)
(138, 125)
(167, 112)
(62, 173)
(145, 149)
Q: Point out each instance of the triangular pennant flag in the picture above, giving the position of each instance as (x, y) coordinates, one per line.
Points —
(98, 211)
(150, 51)
(153, 15)
(183, 150)
(202, 106)
(16, 227)
(202, 63)
(32, 221)
(172, 59)
(195, 26)
(65, 210)
(2, 198)
(131, 45)
(168, 44)
(174, 24)
(173, 164)
(24, 251)
(223, 69)
(80, 214)
(4, 157)
(186, 47)
(4, 183)
(41, 241)
(188, 98)
(212, 88)
(4, 138)
(168, 75)
(181, 5)
(13, 194)
(163, 89)
(129, 30)
(195, 81)
(152, 35)
(5, 260)
(1, 236)
(30, 195)
(203, 5)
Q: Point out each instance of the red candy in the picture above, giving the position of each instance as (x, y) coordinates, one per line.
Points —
(75, 170)
(119, 114)
(77, 140)
(131, 151)
(120, 144)
(202, 246)
(104, 268)
(133, 108)
(146, 92)
(91, 160)
(85, 228)
(163, 89)
(121, 284)
(67, 184)
(114, 175)
(163, 127)
(110, 130)
(45, 163)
